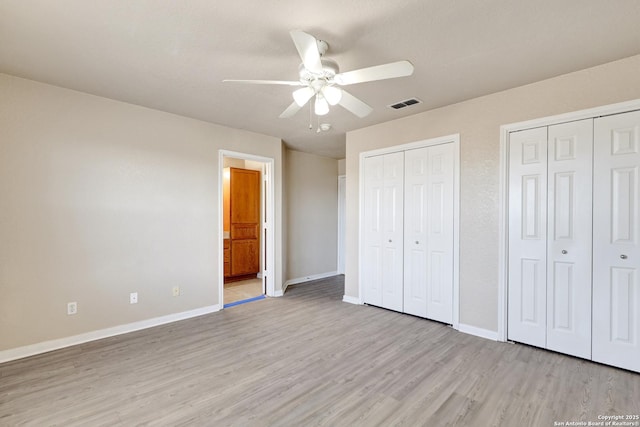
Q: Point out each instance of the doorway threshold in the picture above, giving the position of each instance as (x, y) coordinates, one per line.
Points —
(242, 301)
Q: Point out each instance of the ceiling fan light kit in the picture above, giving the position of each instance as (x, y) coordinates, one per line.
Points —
(302, 96)
(332, 94)
(321, 107)
(319, 77)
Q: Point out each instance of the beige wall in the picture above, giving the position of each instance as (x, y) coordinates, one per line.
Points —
(342, 166)
(478, 123)
(312, 214)
(101, 198)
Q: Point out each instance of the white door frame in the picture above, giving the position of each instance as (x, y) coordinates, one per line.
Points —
(449, 139)
(266, 205)
(341, 223)
(590, 113)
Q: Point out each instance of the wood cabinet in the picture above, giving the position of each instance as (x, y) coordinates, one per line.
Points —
(227, 258)
(242, 249)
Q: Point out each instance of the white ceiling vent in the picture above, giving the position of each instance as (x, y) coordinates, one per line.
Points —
(405, 103)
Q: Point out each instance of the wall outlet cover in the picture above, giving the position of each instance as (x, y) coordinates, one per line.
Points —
(72, 308)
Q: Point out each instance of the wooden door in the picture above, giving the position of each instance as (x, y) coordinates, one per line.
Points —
(569, 238)
(616, 245)
(245, 221)
(527, 236)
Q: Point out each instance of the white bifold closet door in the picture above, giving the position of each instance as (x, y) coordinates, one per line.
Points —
(527, 236)
(428, 232)
(550, 220)
(616, 267)
(569, 237)
(383, 230)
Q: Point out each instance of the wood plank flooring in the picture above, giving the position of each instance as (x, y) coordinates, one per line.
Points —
(308, 359)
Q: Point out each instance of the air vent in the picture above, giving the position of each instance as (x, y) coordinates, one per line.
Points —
(405, 103)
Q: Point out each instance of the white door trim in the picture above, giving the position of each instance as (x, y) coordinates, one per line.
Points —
(266, 205)
(449, 139)
(590, 113)
(341, 223)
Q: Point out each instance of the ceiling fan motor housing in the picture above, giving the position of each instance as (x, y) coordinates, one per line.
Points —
(329, 70)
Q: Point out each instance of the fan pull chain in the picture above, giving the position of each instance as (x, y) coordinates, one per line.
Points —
(310, 118)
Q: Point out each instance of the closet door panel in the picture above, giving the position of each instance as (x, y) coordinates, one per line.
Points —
(415, 225)
(392, 221)
(527, 236)
(373, 232)
(439, 228)
(616, 275)
(383, 218)
(569, 237)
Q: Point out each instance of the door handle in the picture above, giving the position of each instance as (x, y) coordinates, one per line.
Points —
(564, 252)
(623, 256)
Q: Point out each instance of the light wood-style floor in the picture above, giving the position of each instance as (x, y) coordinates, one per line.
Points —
(308, 359)
(245, 289)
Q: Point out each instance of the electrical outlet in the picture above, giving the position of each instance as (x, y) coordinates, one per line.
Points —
(133, 298)
(176, 291)
(72, 308)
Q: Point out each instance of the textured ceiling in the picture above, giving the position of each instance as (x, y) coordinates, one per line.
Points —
(173, 55)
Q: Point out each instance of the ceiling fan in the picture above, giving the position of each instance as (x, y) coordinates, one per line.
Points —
(320, 78)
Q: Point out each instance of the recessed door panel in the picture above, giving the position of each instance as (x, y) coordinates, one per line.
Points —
(531, 285)
(624, 314)
(439, 287)
(562, 301)
(622, 204)
(415, 289)
(616, 283)
(569, 237)
(563, 205)
(532, 207)
(527, 236)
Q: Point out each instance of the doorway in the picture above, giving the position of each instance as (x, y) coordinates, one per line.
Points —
(245, 240)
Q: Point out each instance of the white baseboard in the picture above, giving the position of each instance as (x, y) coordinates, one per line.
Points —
(46, 346)
(478, 332)
(351, 300)
(308, 278)
(280, 292)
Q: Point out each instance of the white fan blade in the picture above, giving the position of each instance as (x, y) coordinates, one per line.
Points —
(378, 72)
(290, 111)
(265, 82)
(307, 46)
(354, 105)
